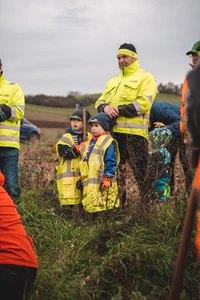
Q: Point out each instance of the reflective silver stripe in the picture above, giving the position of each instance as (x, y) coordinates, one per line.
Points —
(67, 174)
(104, 142)
(137, 107)
(21, 106)
(65, 139)
(95, 181)
(149, 97)
(9, 138)
(130, 125)
(13, 128)
(97, 151)
(13, 113)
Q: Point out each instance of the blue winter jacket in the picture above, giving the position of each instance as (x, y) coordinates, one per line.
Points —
(167, 113)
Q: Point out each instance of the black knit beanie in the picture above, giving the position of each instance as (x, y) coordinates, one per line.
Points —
(78, 114)
(103, 119)
(128, 46)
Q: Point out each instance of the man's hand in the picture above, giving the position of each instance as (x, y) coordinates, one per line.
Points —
(159, 124)
(112, 111)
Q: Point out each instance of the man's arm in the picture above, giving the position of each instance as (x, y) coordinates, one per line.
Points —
(17, 104)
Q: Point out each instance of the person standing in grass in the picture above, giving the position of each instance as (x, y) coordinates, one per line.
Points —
(128, 99)
(67, 149)
(159, 162)
(12, 106)
(98, 166)
(165, 114)
(193, 53)
(18, 261)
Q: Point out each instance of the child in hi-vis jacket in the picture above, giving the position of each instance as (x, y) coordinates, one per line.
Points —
(98, 166)
(159, 162)
(67, 148)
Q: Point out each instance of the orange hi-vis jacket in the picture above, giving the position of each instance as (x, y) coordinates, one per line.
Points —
(183, 128)
(16, 247)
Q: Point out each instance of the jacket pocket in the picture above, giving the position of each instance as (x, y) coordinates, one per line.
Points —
(130, 90)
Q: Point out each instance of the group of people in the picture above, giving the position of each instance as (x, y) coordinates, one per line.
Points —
(128, 101)
(92, 168)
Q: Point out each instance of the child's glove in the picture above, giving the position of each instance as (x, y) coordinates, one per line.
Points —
(79, 184)
(80, 145)
(106, 183)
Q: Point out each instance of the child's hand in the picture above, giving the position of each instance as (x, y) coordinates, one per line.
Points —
(106, 183)
(159, 124)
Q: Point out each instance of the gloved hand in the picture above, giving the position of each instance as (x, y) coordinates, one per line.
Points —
(80, 145)
(79, 184)
(2, 116)
(7, 110)
(106, 183)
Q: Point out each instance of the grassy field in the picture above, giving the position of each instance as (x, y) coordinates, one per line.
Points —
(130, 257)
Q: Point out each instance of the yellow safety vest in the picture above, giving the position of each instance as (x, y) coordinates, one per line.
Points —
(67, 174)
(92, 171)
(11, 94)
(133, 86)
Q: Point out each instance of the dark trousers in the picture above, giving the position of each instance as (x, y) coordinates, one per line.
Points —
(16, 282)
(9, 167)
(176, 144)
(134, 149)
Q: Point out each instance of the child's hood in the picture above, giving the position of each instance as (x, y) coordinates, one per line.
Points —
(160, 137)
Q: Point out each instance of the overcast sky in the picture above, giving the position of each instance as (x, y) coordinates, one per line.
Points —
(57, 46)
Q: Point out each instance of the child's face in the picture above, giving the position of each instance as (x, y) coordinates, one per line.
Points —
(77, 125)
(96, 129)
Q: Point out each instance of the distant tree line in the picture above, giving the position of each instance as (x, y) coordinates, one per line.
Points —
(170, 88)
(58, 101)
(75, 97)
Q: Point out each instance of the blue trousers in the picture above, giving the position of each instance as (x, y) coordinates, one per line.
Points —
(9, 158)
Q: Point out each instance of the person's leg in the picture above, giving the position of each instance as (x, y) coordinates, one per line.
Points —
(186, 164)
(138, 159)
(9, 158)
(13, 282)
(121, 174)
(172, 147)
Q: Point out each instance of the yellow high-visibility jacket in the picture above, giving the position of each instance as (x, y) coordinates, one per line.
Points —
(95, 200)
(133, 86)
(11, 94)
(67, 174)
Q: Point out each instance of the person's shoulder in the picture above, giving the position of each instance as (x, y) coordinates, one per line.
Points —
(114, 79)
(146, 73)
(11, 84)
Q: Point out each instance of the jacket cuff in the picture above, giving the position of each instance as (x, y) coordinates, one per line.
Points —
(101, 107)
(127, 111)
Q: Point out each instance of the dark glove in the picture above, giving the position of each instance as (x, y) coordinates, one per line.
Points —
(2, 116)
(79, 185)
(106, 183)
(127, 110)
(7, 110)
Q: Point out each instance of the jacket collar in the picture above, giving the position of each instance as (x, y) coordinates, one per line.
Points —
(132, 68)
(1, 78)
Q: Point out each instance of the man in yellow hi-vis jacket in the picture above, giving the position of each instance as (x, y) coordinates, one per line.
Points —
(128, 98)
(11, 112)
